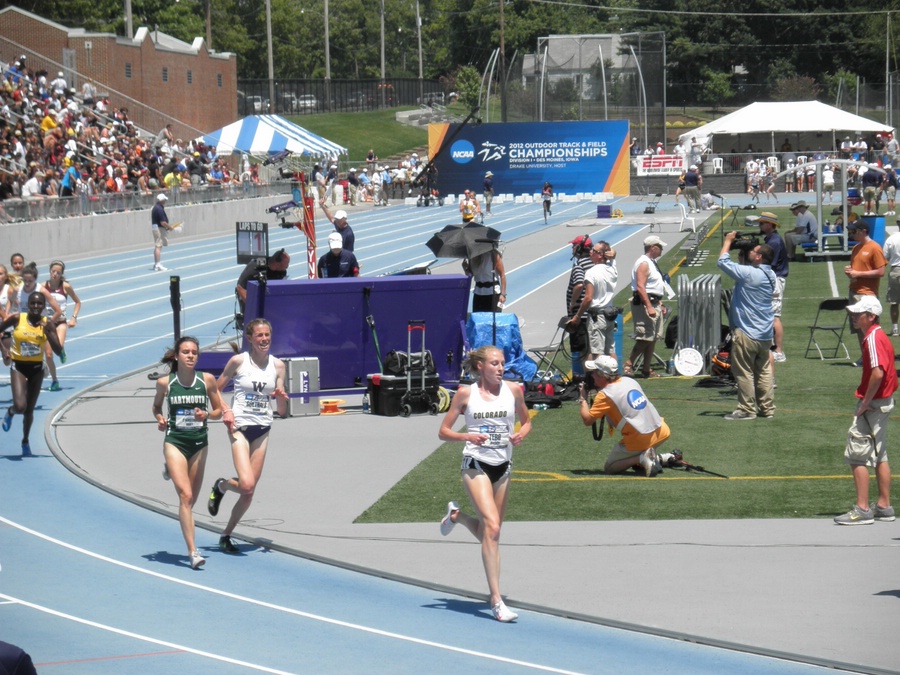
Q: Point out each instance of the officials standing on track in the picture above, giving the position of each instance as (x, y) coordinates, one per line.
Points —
(159, 223)
(192, 399)
(490, 407)
(258, 377)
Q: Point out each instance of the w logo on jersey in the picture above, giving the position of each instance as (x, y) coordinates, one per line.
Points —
(259, 387)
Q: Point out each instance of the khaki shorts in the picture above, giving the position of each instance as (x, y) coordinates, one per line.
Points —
(778, 295)
(160, 237)
(646, 328)
(865, 439)
(893, 294)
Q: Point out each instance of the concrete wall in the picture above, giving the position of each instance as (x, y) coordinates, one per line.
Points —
(72, 238)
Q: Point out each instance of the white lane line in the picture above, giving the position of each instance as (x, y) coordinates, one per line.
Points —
(138, 636)
(832, 281)
(280, 608)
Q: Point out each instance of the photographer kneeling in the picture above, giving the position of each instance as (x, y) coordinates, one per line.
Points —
(624, 403)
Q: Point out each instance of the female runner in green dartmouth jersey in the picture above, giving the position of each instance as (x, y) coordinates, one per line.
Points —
(193, 399)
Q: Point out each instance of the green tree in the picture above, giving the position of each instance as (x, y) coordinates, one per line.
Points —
(467, 83)
(716, 88)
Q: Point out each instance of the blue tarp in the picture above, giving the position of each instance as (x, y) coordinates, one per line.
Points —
(268, 135)
(479, 332)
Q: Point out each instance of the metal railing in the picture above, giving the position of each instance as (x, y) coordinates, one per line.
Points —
(46, 208)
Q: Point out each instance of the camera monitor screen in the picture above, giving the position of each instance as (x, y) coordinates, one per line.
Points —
(252, 242)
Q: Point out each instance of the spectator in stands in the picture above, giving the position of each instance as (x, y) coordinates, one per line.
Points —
(164, 139)
(352, 186)
(88, 92)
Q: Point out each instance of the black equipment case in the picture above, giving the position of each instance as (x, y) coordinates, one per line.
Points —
(414, 389)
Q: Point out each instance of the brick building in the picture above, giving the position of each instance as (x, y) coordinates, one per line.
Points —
(157, 77)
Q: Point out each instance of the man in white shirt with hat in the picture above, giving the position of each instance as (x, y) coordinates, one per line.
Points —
(648, 287)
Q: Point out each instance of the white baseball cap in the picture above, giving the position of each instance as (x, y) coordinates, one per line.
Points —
(335, 241)
(868, 304)
(603, 364)
(161, 197)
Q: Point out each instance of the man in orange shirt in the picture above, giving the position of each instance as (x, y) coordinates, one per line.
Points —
(626, 407)
(867, 265)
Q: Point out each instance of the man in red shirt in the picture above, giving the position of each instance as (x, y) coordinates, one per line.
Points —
(865, 440)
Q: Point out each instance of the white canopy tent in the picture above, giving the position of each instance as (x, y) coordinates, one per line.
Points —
(808, 125)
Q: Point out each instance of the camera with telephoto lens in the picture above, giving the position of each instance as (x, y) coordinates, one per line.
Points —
(745, 242)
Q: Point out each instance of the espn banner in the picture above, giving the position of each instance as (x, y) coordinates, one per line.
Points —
(586, 157)
(661, 165)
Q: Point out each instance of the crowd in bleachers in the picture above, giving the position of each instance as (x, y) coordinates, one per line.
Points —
(54, 143)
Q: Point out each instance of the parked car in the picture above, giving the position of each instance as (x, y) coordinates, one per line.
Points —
(289, 103)
(307, 102)
(258, 104)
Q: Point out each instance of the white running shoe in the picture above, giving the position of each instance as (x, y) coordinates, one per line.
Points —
(197, 560)
(503, 613)
(159, 268)
(446, 523)
(650, 462)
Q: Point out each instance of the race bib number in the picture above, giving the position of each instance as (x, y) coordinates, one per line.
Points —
(498, 435)
(185, 420)
(29, 349)
(256, 403)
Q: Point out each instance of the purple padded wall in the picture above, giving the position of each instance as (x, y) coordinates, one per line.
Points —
(326, 318)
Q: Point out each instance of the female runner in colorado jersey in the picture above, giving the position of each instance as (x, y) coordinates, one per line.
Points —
(490, 407)
(193, 399)
(258, 376)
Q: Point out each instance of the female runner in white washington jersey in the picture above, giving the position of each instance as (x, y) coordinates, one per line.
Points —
(491, 407)
(258, 376)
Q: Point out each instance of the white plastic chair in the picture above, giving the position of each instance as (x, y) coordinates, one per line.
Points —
(774, 163)
(718, 165)
(684, 217)
(801, 159)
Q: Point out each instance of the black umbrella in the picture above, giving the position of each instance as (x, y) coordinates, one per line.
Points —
(463, 241)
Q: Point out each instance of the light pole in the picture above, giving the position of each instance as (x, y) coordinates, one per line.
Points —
(269, 47)
(327, 62)
(419, 34)
(382, 54)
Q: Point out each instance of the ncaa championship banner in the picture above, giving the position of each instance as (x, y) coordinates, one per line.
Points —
(588, 157)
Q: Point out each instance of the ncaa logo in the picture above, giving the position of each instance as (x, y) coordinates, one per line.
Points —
(462, 152)
(636, 400)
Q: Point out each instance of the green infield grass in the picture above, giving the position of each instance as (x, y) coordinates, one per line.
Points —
(359, 131)
(788, 467)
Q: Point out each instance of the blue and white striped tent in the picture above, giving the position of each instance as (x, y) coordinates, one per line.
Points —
(261, 135)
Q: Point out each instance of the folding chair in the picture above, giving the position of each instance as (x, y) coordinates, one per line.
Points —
(686, 219)
(546, 356)
(835, 328)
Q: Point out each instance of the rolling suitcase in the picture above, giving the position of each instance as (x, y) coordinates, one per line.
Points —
(417, 398)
